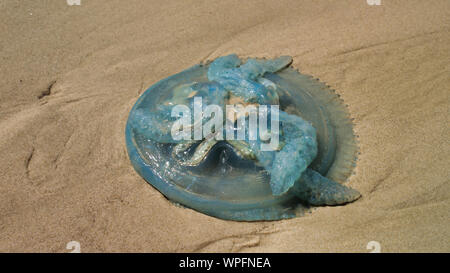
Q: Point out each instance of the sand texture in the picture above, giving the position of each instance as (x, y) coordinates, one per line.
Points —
(70, 75)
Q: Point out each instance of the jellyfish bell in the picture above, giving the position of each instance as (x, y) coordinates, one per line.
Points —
(236, 179)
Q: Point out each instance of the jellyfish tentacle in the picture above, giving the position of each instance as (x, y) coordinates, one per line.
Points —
(182, 147)
(298, 151)
(318, 190)
(242, 149)
(200, 153)
(246, 80)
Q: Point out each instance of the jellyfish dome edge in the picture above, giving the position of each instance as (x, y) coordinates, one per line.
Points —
(218, 177)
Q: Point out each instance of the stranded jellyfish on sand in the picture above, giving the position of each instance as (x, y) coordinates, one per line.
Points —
(243, 140)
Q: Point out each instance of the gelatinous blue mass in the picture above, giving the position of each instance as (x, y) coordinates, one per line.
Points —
(235, 179)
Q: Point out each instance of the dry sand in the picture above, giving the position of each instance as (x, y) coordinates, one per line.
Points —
(65, 173)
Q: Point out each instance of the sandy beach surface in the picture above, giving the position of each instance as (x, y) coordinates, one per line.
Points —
(70, 75)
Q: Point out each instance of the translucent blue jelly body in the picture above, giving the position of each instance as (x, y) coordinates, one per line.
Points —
(226, 185)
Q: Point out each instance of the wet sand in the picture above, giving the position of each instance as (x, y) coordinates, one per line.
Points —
(70, 75)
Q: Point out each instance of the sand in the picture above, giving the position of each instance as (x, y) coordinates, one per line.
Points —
(70, 75)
